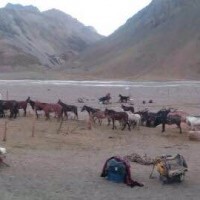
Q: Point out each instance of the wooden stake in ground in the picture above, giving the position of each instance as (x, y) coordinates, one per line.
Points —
(5, 131)
(89, 123)
(151, 175)
(33, 126)
(6, 94)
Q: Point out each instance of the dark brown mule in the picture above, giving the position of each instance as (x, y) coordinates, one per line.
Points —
(11, 105)
(163, 118)
(119, 116)
(55, 108)
(36, 106)
(90, 110)
(23, 105)
(68, 108)
(47, 108)
(50, 108)
(98, 115)
(106, 99)
(123, 99)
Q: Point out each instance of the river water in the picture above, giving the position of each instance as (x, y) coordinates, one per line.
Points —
(102, 83)
(178, 93)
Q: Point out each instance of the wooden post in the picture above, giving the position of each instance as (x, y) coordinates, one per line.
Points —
(5, 131)
(151, 175)
(6, 94)
(60, 126)
(89, 123)
(33, 126)
(168, 94)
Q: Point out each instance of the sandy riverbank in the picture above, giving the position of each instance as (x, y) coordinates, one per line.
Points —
(67, 165)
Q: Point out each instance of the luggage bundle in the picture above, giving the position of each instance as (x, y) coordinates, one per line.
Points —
(171, 168)
(117, 169)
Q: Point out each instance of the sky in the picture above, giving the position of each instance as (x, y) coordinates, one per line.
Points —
(104, 15)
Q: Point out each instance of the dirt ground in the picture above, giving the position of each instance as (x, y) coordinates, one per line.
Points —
(68, 164)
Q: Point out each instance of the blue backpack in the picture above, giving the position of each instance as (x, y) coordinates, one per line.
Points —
(116, 171)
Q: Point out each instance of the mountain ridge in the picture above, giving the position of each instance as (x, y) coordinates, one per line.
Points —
(48, 39)
(159, 42)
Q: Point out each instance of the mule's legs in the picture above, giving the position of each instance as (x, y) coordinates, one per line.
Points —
(100, 121)
(36, 114)
(123, 127)
(126, 123)
(180, 129)
(66, 115)
(24, 112)
(2, 113)
(163, 127)
(60, 116)
(129, 126)
(138, 124)
(76, 113)
(113, 122)
(47, 115)
(16, 111)
(93, 119)
(109, 120)
(179, 126)
(13, 113)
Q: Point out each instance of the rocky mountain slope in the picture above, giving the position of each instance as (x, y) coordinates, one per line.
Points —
(161, 42)
(33, 40)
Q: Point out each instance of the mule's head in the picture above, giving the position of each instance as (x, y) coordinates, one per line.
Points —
(108, 94)
(106, 111)
(84, 108)
(163, 112)
(161, 116)
(28, 99)
(32, 104)
(157, 121)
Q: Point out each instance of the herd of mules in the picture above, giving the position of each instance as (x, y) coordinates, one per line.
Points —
(127, 117)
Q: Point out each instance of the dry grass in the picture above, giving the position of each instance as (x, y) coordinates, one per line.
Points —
(53, 166)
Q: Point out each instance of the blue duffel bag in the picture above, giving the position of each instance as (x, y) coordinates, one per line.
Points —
(116, 171)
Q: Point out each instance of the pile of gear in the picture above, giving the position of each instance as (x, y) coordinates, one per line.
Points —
(171, 168)
(117, 169)
(143, 160)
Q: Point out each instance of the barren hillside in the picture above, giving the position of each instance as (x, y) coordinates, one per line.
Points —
(161, 42)
(31, 40)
